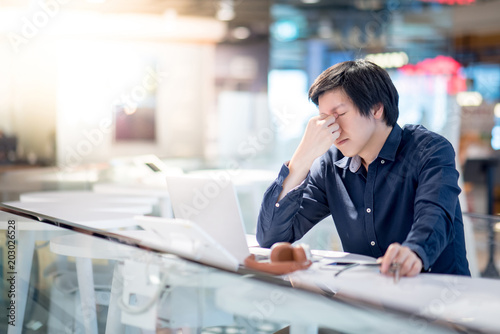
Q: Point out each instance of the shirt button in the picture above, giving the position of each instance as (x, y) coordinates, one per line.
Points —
(382, 162)
(277, 205)
(368, 210)
(372, 243)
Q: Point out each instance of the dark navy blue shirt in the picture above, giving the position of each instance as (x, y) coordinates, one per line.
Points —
(409, 195)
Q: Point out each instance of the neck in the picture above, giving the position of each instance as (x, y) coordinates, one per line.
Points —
(377, 141)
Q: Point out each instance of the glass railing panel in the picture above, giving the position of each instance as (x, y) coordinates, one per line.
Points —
(80, 280)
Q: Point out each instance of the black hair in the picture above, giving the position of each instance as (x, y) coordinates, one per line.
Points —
(364, 82)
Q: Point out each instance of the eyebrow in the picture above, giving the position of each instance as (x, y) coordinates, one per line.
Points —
(334, 108)
(337, 106)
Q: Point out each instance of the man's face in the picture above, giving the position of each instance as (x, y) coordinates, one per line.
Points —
(356, 130)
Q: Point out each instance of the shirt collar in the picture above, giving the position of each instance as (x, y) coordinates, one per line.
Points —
(391, 145)
(353, 163)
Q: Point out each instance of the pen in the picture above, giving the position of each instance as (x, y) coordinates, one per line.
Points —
(395, 269)
(352, 265)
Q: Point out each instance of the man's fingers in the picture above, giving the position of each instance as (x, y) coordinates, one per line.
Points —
(389, 257)
(329, 122)
(336, 135)
(334, 127)
(415, 269)
(329, 119)
(406, 265)
(409, 263)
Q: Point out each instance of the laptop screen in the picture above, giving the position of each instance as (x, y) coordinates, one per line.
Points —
(212, 204)
(185, 238)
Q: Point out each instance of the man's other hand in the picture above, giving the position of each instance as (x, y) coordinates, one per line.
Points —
(409, 262)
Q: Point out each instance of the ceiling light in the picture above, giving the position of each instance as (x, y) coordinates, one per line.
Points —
(226, 10)
(469, 99)
(310, 1)
(241, 32)
(388, 60)
(495, 143)
(496, 110)
(285, 30)
(225, 15)
(368, 5)
(451, 2)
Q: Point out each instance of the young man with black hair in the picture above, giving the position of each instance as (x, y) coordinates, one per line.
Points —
(391, 191)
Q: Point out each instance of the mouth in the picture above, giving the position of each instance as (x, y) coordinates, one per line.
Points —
(341, 142)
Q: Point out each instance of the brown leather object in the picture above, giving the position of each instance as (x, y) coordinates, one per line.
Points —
(282, 251)
(284, 259)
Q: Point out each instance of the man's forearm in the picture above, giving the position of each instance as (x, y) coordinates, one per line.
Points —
(299, 168)
(321, 132)
(274, 224)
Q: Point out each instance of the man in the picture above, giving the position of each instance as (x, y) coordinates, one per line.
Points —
(391, 191)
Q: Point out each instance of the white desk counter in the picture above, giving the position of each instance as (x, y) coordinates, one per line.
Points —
(85, 197)
(136, 209)
(472, 302)
(92, 219)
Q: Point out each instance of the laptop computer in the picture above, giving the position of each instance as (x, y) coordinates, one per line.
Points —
(212, 204)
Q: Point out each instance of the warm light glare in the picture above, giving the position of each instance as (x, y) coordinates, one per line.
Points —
(21, 29)
(388, 60)
(129, 110)
(170, 14)
(469, 99)
(497, 227)
(9, 19)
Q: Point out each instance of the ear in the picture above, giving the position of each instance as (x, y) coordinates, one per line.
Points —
(378, 111)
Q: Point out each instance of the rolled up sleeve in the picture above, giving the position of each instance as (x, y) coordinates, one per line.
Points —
(290, 218)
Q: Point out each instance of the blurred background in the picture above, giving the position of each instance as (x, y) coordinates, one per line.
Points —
(128, 90)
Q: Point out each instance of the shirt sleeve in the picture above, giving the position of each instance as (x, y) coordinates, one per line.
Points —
(296, 213)
(435, 203)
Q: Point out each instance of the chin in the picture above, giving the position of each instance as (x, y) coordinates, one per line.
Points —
(346, 153)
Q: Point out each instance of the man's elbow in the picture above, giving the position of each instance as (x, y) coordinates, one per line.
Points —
(263, 239)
